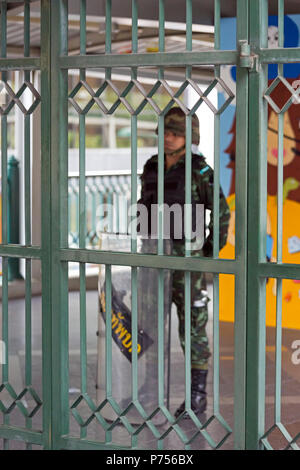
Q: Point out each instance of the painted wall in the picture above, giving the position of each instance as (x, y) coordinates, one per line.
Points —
(291, 172)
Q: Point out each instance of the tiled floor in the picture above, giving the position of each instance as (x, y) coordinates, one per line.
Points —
(187, 430)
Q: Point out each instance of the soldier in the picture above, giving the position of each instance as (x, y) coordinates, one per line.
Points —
(174, 193)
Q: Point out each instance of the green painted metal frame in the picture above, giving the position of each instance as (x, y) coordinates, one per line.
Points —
(258, 268)
(248, 267)
(159, 261)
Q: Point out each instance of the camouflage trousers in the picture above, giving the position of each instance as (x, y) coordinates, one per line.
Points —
(199, 313)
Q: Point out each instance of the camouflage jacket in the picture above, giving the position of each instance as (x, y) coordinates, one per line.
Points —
(202, 187)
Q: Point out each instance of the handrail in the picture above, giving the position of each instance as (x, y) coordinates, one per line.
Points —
(107, 202)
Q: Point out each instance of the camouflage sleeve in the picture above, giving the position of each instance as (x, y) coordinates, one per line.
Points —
(206, 193)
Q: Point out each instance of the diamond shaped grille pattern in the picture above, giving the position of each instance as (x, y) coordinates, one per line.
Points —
(16, 400)
(294, 95)
(159, 432)
(291, 443)
(148, 98)
(14, 98)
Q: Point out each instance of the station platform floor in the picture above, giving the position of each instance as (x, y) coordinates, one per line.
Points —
(290, 382)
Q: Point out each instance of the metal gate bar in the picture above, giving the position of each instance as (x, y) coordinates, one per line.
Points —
(259, 270)
(135, 260)
(249, 267)
(4, 192)
(9, 432)
(256, 304)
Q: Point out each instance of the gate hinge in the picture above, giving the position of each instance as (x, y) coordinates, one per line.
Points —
(247, 58)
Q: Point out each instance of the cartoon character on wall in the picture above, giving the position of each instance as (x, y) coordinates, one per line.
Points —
(291, 190)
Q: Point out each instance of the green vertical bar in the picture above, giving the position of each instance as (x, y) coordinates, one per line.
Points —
(82, 220)
(108, 331)
(94, 213)
(281, 23)
(28, 336)
(216, 347)
(187, 274)
(240, 300)
(4, 192)
(134, 31)
(160, 310)
(27, 199)
(27, 176)
(217, 18)
(189, 32)
(108, 29)
(161, 324)
(161, 33)
(216, 202)
(188, 185)
(160, 241)
(82, 213)
(134, 339)
(3, 25)
(279, 260)
(189, 25)
(278, 358)
(82, 26)
(280, 188)
(83, 336)
(28, 360)
(280, 141)
(46, 221)
(133, 199)
(5, 337)
(160, 188)
(59, 213)
(134, 309)
(133, 139)
(187, 326)
(77, 212)
(26, 28)
(70, 224)
(4, 187)
(188, 220)
(108, 340)
(161, 20)
(216, 211)
(82, 145)
(278, 351)
(160, 247)
(256, 302)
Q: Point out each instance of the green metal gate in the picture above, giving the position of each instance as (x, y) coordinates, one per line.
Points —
(249, 267)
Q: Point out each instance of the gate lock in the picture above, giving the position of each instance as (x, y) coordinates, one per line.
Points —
(246, 58)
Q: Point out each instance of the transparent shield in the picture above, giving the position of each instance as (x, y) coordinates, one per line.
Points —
(148, 347)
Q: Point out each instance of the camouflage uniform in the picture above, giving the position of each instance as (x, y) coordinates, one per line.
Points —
(202, 193)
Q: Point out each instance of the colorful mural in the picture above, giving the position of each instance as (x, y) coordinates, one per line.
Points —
(291, 178)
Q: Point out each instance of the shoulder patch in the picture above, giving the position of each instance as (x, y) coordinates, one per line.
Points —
(204, 170)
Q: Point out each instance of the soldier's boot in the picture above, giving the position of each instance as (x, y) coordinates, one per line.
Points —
(198, 394)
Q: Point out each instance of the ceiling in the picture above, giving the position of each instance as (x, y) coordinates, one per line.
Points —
(175, 30)
(203, 19)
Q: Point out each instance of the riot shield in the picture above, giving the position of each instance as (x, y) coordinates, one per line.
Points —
(121, 329)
